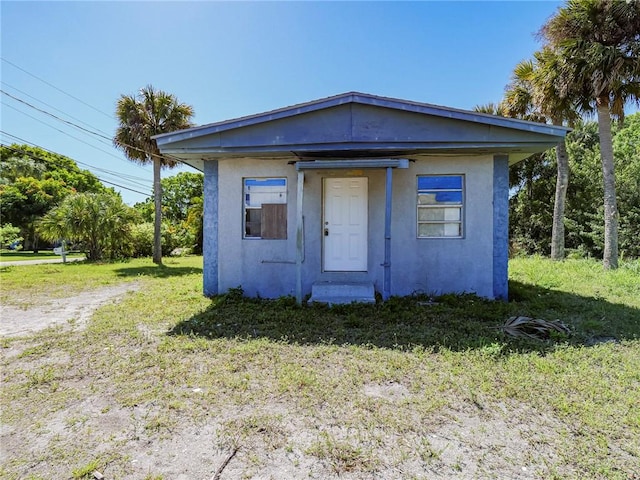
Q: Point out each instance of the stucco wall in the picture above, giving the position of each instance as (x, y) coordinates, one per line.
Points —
(440, 265)
(262, 267)
(267, 267)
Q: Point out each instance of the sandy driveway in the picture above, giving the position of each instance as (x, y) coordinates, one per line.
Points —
(15, 321)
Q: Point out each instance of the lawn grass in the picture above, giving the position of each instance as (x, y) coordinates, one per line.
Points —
(13, 256)
(23, 285)
(405, 389)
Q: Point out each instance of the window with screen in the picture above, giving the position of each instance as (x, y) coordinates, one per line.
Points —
(440, 206)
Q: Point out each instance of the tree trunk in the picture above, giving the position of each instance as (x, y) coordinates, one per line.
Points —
(562, 181)
(610, 260)
(157, 223)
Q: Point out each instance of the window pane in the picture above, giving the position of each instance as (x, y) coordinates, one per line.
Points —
(435, 198)
(445, 182)
(430, 214)
(452, 213)
(431, 230)
(439, 230)
(452, 229)
(265, 182)
(438, 214)
(252, 224)
(427, 199)
(266, 190)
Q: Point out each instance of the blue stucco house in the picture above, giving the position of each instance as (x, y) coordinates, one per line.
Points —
(343, 196)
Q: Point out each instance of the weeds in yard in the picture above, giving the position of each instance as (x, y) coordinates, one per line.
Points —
(342, 455)
(254, 432)
(357, 391)
(85, 471)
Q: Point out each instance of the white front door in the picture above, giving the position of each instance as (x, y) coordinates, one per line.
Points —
(345, 224)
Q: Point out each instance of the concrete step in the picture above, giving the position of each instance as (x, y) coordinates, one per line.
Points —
(342, 292)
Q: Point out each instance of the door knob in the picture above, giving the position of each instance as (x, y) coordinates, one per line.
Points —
(326, 232)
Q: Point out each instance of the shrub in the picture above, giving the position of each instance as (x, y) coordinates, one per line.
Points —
(9, 235)
(142, 234)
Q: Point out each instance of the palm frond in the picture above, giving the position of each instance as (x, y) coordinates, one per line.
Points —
(142, 116)
(534, 328)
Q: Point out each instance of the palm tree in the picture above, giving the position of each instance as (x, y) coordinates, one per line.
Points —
(141, 117)
(533, 95)
(598, 45)
(100, 221)
(491, 109)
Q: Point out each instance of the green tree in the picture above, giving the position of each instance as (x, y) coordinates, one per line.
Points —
(181, 209)
(194, 223)
(598, 46)
(531, 211)
(179, 193)
(523, 176)
(626, 148)
(33, 181)
(140, 117)
(101, 222)
(26, 200)
(8, 235)
(14, 167)
(25, 161)
(532, 95)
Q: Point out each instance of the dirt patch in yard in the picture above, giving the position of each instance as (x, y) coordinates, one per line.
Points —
(71, 311)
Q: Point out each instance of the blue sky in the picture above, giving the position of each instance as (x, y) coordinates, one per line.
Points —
(229, 59)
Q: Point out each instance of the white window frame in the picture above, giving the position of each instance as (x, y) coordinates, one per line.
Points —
(248, 204)
(446, 205)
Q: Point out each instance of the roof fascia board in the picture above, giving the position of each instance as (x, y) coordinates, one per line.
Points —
(537, 146)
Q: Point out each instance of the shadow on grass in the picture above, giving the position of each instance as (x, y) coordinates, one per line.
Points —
(456, 322)
(157, 271)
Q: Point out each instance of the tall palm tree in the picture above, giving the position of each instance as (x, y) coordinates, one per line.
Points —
(142, 116)
(532, 94)
(598, 47)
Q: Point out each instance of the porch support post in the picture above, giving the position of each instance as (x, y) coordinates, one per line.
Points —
(299, 236)
(386, 286)
(210, 227)
(501, 227)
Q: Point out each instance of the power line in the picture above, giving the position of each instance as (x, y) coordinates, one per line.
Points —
(121, 176)
(117, 175)
(54, 153)
(112, 172)
(98, 133)
(53, 86)
(80, 171)
(51, 106)
(55, 116)
(78, 139)
(179, 160)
